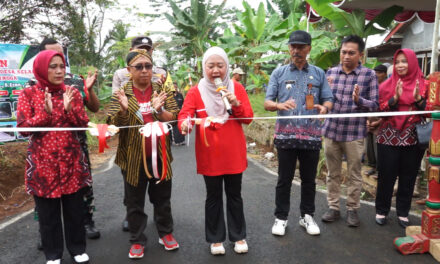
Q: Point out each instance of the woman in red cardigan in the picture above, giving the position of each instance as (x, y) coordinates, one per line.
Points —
(397, 150)
(220, 149)
(57, 169)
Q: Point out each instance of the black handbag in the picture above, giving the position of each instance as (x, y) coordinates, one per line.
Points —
(424, 129)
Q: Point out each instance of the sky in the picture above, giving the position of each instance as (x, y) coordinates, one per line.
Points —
(160, 24)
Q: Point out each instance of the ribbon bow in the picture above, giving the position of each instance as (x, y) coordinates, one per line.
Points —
(154, 130)
(103, 132)
(211, 122)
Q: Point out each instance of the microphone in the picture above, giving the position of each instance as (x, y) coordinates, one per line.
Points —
(220, 88)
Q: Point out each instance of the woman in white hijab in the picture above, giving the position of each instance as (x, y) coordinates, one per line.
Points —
(220, 148)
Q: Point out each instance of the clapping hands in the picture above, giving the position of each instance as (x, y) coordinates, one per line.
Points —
(416, 92)
(48, 106)
(123, 100)
(399, 90)
(68, 98)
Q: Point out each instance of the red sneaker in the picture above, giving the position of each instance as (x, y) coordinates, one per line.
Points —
(169, 242)
(136, 251)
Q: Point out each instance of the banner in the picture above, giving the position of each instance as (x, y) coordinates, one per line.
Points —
(16, 63)
(16, 69)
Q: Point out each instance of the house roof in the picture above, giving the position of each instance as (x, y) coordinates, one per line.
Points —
(385, 49)
(414, 5)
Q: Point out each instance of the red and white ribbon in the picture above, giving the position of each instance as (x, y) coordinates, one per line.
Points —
(154, 130)
(103, 132)
(102, 138)
(212, 122)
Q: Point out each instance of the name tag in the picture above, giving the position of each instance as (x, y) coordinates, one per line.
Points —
(289, 84)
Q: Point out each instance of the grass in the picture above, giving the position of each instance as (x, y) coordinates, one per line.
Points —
(257, 103)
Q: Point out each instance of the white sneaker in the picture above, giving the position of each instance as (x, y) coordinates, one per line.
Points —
(83, 258)
(279, 227)
(241, 248)
(309, 224)
(57, 261)
(217, 250)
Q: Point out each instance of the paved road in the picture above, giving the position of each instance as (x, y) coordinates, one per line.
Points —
(337, 243)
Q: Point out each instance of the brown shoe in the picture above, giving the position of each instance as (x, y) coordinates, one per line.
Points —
(353, 218)
(331, 215)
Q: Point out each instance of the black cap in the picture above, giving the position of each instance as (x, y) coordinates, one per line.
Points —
(300, 37)
(141, 41)
(381, 68)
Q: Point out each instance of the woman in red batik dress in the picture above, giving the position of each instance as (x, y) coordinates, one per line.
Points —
(397, 151)
(56, 169)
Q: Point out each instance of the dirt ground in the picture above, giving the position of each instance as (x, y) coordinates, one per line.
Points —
(13, 196)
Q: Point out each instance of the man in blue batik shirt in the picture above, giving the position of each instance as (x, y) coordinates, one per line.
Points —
(297, 89)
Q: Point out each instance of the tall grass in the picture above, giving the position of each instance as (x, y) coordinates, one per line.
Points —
(257, 103)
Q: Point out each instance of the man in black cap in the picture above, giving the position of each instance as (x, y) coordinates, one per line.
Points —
(121, 76)
(160, 75)
(297, 89)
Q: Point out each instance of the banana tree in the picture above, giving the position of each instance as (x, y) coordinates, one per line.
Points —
(287, 7)
(354, 23)
(185, 77)
(118, 50)
(255, 35)
(274, 48)
(258, 82)
(193, 27)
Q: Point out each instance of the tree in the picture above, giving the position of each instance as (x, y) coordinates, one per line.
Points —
(288, 7)
(19, 15)
(354, 23)
(254, 37)
(119, 48)
(193, 27)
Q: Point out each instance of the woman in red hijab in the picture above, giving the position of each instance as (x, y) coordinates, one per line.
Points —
(398, 153)
(56, 167)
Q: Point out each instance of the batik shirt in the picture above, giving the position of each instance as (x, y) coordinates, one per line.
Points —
(288, 82)
(56, 165)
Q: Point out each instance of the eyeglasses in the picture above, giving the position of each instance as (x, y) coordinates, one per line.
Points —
(140, 67)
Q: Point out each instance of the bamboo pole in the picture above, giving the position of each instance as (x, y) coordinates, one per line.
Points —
(434, 53)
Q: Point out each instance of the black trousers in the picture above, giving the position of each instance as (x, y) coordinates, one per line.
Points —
(403, 162)
(51, 225)
(89, 203)
(215, 228)
(160, 196)
(308, 160)
(371, 149)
